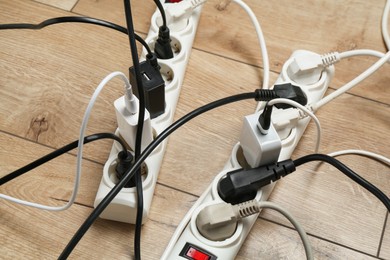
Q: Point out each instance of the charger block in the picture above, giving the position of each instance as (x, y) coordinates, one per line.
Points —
(187, 236)
(124, 206)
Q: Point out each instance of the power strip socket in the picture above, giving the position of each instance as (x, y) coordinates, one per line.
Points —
(187, 242)
(123, 207)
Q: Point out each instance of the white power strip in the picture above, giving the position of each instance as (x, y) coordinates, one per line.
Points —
(187, 242)
(123, 207)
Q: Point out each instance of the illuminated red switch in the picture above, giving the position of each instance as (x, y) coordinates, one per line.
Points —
(193, 252)
(196, 254)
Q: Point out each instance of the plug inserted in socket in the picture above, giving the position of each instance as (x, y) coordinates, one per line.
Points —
(120, 209)
(124, 205)
(187, 231)
(226, 226)
(259, 148)
(176, 46)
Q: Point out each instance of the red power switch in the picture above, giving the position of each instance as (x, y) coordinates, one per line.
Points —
(193, 252)
(196, 254)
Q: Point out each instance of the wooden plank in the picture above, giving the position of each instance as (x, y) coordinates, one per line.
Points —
(385, 250)
(49, 75)
(53, 73)
(270, 241)
(30, 233)
(50, 184)
(66, 5)
(287, 26)
(114, 12)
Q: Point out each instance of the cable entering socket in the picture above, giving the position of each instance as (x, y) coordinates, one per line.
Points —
(219, 222)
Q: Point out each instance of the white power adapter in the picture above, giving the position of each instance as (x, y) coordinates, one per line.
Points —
(258, 148)
(126, 109)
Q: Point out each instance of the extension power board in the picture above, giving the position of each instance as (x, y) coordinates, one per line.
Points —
(187, 242)
(124, 206)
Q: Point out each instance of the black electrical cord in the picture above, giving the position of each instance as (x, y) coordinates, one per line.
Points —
(73, 19)
(60, 151)
(348, 172)
(138, 140)
(162, 12)
(258, 95)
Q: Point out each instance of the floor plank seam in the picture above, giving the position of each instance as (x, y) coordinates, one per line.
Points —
(51, 6)
(323, 239)
(176, 189)
(48, 146)
(383, 234)
(75, 4)
(76, 203)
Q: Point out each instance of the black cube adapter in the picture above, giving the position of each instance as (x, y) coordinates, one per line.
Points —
(153, 83)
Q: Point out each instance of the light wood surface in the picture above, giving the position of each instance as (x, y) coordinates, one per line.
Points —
(49, 75)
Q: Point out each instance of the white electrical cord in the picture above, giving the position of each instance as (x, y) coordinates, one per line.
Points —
(294, 222)
(79, 150)
(306, 111)
(385, 29)
(375, 156)
(352, 83)
(362, 52)
(260, 37)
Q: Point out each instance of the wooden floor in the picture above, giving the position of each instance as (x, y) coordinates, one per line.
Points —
(48, 76)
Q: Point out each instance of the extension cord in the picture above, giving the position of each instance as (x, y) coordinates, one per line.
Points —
(123, 208)
(187, 242)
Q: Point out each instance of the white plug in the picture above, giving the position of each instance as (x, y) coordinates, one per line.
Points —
(177, 14)
(218, 222)
(284, 120)
(126, 109)
(306, 68)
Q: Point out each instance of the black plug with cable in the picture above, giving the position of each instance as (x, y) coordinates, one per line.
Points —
(292, 92)
(162, 46)
(241, 185)
(287, 91)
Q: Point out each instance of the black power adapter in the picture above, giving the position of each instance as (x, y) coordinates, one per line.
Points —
(153, 83)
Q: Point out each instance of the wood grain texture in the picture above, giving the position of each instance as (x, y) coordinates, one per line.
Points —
(385, 250)
(46, 68)
(287, 25)
(49, 75)
(61, 4)
(327, 201)
(52, 183)
(268, 241)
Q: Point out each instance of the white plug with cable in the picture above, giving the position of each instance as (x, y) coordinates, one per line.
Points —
(178, 13)
(306, 68)
(218, 222)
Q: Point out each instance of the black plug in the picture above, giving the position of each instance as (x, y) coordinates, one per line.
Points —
(153, 83)
(124, 162)
(264, 121)
(240, 185)
(162, 47)
(291, 92)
